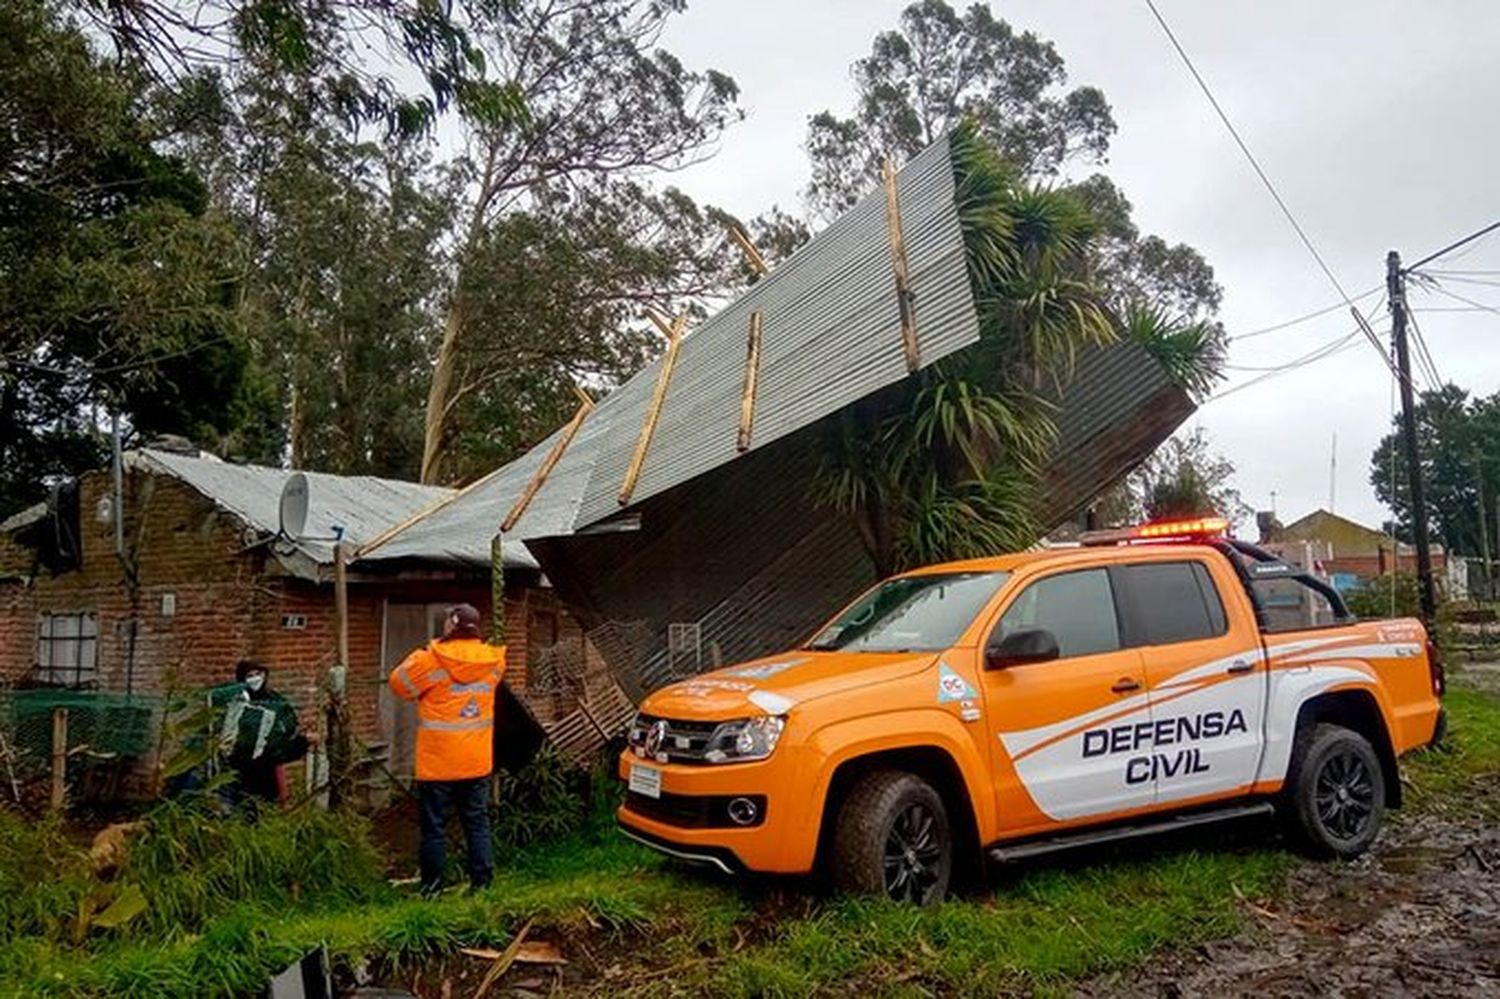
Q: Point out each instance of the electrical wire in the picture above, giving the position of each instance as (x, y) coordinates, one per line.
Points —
(1481, 306)
(1306, 358)
(1337, 346)
(1470, 238)
(1304, 318)
(1424, 356)
(1270, 187)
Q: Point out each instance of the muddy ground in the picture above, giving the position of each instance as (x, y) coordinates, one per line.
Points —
(1417, 916)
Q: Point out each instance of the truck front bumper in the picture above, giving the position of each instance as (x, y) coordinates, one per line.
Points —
(692, 820)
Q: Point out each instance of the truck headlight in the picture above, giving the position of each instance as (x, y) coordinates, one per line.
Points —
(745, 739)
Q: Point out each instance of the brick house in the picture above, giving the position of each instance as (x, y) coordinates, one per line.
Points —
(209, 582)
(1351, 554)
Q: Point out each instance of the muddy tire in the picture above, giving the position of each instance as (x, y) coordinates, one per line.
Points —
(893, 838)
(1336, 795)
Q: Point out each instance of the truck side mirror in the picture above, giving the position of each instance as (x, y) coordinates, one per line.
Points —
(1028, 645)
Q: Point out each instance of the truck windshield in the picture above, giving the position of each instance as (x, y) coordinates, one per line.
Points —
(911, 614)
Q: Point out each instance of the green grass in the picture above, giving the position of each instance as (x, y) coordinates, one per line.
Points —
(1438, 776)
(1048, 927)
(228, 906)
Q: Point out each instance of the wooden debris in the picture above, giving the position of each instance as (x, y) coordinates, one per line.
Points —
(751, 384)
(661, 323)
(898, 264)
(742, 240)
(539, 478)
(502, 963)
(653, 412)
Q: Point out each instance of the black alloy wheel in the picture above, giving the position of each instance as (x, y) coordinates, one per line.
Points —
(913, 856)
(1345, 794)
(1335, 794)
(892, 838)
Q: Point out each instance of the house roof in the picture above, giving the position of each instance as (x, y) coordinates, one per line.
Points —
(831, 336)
(362, 506)
(24, 518)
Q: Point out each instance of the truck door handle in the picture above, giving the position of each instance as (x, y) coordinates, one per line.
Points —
(1240, 666)
(1125, 684)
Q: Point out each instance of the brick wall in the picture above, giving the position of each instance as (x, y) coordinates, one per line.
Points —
(230, 602)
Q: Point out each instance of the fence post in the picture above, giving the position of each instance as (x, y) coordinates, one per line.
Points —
(59, 757)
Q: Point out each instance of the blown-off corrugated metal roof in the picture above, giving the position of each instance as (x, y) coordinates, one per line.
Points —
(362, 505)
(831, 336)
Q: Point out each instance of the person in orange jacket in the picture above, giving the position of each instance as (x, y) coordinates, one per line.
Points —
(454, 680)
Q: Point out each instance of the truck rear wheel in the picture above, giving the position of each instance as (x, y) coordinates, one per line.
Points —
(1337, 793)
(892, 838)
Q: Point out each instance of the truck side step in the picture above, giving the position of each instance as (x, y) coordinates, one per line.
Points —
(1021, 851)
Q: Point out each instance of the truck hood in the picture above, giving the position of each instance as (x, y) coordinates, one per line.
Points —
(777, 684)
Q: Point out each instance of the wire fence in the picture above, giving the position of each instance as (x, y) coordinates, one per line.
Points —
(94, 742)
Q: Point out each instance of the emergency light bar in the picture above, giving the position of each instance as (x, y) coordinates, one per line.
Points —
(1162, 530)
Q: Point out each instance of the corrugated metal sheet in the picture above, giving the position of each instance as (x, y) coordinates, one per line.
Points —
(1117, 408)
(745, 554)
(831, 336)
(361, 505)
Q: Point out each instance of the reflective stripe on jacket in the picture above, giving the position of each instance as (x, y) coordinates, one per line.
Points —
(454, 683)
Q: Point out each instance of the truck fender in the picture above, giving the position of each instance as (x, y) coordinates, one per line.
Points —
(1293, 689)
(920, 730)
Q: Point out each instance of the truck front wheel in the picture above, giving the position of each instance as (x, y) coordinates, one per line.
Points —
(892, 838)
(1337, 792)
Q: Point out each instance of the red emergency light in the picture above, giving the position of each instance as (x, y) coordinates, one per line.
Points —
(1196, 529)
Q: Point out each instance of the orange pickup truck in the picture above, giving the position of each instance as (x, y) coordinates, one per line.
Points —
(1156, 677)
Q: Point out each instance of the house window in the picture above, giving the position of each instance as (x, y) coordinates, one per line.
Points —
(67, 649)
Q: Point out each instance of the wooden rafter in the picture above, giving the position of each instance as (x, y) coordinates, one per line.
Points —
(539, 478)
(653, 412)
(752, 383)
(757, 262)
(898, 264)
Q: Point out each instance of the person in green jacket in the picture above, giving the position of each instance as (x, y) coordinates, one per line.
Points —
(259, 734)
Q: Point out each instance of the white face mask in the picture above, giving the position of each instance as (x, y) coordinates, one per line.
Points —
(255, 681)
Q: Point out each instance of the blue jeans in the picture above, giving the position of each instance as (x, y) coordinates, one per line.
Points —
(438, 799)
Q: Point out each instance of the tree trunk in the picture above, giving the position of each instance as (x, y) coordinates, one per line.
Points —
(297, 427)
(438, 394)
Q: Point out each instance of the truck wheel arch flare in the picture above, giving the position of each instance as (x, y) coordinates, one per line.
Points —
(938, 731)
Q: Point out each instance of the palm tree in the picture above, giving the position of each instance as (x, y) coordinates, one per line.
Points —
(951, 469)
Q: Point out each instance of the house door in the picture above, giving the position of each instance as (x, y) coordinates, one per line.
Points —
(406, 627)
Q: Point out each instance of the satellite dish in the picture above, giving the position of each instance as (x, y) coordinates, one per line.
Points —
(293, 511)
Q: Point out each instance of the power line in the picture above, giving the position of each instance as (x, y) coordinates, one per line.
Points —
(1264, 179)
(1337, 346)
(1304, 318)
(1471, 237)
(1424, 356)
(1254, 163)
(1450, 276)
(1311, 355)
(1481, 306)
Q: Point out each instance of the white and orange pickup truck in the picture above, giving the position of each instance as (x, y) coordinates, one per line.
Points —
(1155, 678)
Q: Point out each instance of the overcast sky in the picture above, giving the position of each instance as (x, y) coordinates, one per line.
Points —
(1375, 119)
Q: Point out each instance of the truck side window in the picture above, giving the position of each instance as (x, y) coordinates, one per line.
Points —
(1173, 602)
(1077, 607)
(1289, 604)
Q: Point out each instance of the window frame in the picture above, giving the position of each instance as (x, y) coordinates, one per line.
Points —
(1023, 585)
(1135, 615)
(78, 674)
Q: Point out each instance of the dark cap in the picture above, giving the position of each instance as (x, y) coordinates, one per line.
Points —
(464, 620)
(245, 667)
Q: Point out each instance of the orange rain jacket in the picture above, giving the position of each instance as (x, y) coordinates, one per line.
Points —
(454, 684)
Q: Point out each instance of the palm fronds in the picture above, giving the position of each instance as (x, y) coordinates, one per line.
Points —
(1190, 351)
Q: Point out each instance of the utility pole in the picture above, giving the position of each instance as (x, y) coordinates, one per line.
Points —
(1484, 523)
(1395, 284)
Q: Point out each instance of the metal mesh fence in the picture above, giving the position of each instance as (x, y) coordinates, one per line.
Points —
(105, 737)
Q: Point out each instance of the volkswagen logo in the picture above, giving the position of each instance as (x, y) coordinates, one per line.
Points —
(656, 737)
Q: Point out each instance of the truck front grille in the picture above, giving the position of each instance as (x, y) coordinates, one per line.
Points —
(683, 741)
